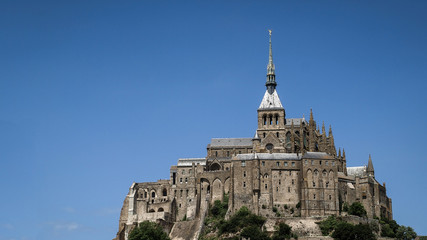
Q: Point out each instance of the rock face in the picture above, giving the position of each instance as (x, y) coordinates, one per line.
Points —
(290, 168)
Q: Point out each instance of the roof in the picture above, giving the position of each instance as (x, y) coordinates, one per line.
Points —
(186, 162)
(231, 142)
(296, 121)
(270, 101)
(269, 156)
(316, 155)
(356, 171)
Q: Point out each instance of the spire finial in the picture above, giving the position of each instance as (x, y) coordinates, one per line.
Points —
(271, 76)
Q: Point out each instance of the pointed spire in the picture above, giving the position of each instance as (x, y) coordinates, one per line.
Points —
(370, 169)
(330, 130)
(339, 152)
(271, 76)
(323, 128)
(343, 153)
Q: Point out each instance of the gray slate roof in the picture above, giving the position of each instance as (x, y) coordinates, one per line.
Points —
(231, 142)
(356, 171)
(187, 162)
(296, 121)
(269, 156)
(316, 155)
(270, 101)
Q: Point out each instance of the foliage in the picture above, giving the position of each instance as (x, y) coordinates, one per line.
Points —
(219, 209)
(148, 231)
(298, 205)
(283, 232)
(357, 209)
(405, 233)
(264, 207)
(386, 231)
(242, 218)
(347, 231)
(254, 232)
(328, 225)
(274, 209)
(345, 207)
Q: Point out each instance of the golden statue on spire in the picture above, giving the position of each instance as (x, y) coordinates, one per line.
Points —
(269, 31)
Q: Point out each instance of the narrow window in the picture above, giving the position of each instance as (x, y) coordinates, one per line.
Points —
(145, 194)
(186, 180)
(314, 196)
(277, 189)
(326, 163)
(244, 173)
(314, 184)
(305, 162)
(312, 162)
(271, 120)
(228, 153)
(216, 153)
(286, 164)
(263, 135)
(330, 197)
(180, 194)
(293, 181)
(280, 182)
(165, 192)
(277, 121)
(289, 189)
(293, 164)
(183, 172)
(277, 164)
(264, 119)
(189, 171)
(320, 162)
(265, 186)
(240, 152)
(173, 178)
(263, 163)
(244, 184)
(243, 164)
(180, 180)
(277, 134)
(333, 163)
(327, 184)
(153, 194)
(187, 193)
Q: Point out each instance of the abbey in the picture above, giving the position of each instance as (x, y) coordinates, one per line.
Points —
(289, 166)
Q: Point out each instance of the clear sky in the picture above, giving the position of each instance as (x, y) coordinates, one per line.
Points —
(97, 94)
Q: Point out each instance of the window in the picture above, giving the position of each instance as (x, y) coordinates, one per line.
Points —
(180, 180)
(289, 189)
(216, 153)
(263, 135)
(263, 163)
(243, 164)
(271, 120)
(314, 196)
(326, 163)
(305, 162)
(153, 194)
(189, 171)
(180, 194)
(265, 186)
(286, 164)
(327, 184)
(293, 181)
(312, 162)
(333, 163)
(244, 184)
(240, 152)
(278, 164)
(264, 120)
(277, 120)
(145, 194)
(183, 172)
(280, 182)
(277, 189)
(186, 180)
(330, 197)
(293, 164)
(269, 146)
(228, 153)
(277, 133)
(165, 192)
(320, 162)
(314, 184)
(364, 197)
(244, 173)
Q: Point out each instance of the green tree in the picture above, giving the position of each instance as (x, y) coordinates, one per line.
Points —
(148, 231)
(405, 233)
(347, 231)
(254, 233)
(357, 209)
(282, 232)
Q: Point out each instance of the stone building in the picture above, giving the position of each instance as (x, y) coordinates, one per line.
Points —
(289, 168)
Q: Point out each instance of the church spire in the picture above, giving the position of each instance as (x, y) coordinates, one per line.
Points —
(271, 76)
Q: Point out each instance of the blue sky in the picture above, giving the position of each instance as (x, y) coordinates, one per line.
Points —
(95, 95)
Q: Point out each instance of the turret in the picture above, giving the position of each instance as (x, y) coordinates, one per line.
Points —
(370, 169)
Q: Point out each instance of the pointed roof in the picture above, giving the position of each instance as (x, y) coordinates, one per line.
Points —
(370, 168)
(270, 101)
(271, 76)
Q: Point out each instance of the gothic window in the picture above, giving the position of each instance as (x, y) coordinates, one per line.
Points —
(160, 210)
(180, 194)
(279, 182)
(240, 152)
(326, 163)
(151, 210)
(183, 172)
(316, 172)
(165, 192)
(187, 193)
(153, 194)
(269, 146)
(297, 133)
(263, 135)
(189, 171)
(327, 184)
(228, 153)
(333, 163)
(320, 162)
(312, 162)
(277, 189)
(277, 120)
(216, 153)
(305, 162)
(330, 197)
(243, 164)
(145, 194)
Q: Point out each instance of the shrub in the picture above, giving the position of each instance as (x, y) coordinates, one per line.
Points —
(298, 205)
(328, 225)
(345, 207)
(405, 233)
(148, 231)
(286, 206)
(263, 206)
(274, 209)
(347, 231)
(283, 231)
(357, 209)
(219, 209)
(254, 232)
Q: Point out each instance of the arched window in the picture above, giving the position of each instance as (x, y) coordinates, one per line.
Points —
(165, 192)
(264, 120)
(314, 184)
(271, 119)
(277, 119)
(151, 210)
(153, 194)
(277, 134)
(160, 210)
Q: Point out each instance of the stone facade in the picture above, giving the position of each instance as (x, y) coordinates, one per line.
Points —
(290, 168)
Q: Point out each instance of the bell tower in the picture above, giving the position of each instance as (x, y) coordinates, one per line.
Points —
(271, 114)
